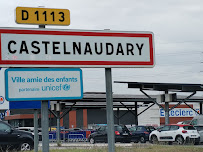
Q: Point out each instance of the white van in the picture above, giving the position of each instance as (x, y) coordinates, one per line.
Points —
(197, 120)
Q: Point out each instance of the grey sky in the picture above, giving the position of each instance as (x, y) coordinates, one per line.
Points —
(176, 24)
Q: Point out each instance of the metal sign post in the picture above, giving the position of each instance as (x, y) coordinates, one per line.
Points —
(45, 126)
(45, 121)
(36, 136)
(109, 111)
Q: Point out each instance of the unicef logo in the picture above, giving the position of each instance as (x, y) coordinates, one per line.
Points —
(66, 87)
(1, 100)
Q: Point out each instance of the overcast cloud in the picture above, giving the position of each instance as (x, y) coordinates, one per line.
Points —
(176, 24)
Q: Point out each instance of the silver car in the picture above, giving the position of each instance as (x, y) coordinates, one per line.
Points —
(200, 131)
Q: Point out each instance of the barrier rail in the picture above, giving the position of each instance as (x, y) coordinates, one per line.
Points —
(70, 136)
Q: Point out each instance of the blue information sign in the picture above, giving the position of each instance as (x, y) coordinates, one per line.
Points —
(37, 84)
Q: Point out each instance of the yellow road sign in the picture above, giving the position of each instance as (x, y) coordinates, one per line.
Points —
(44, 16)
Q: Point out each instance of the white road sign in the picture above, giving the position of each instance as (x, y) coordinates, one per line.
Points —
(24, 84)
(70, 48)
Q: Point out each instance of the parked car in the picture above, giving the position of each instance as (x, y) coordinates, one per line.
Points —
(141, 133)
(11, 138)
(122, 134)
(185, 122)
(159, 127)
(74, 129)
(200, 131)
(179, 133)
(197, 120)
(31, 129)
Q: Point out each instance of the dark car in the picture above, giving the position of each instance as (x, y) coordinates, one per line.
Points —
(11, 138)
(141, 133)
(122, 134)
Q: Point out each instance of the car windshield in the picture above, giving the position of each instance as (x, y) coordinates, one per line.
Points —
(118, 128)
(132, 129)
(189, 128)
(199, 128)
(193, 122)
(174, 127)
(150, 128)
(140, 128)
(165, 128)
(186, 122)
(4, 128)
(102, 128)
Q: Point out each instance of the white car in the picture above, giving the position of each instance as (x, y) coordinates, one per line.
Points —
(179, 133)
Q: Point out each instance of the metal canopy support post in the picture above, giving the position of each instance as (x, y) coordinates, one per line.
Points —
(160, 106)
(166, 110)
(58, 127)
(67, 111)
(166, 113)
(50, 120)
(124, 114)
(118, 114)
(183, 101)
(136, 117)
(53, 113)
(58, 117)
(45, 126)
(146, 109)
(191, 107)
(200, 108)
(128, 108)
(36, 137)
(109, 111)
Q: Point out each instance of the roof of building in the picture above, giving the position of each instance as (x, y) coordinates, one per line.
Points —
(183, 87)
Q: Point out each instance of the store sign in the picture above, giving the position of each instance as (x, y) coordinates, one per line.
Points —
(179, 112)
(42, 16)
(68, 48)
(24, 84)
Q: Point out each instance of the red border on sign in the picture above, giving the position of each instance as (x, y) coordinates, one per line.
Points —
(78, 33)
